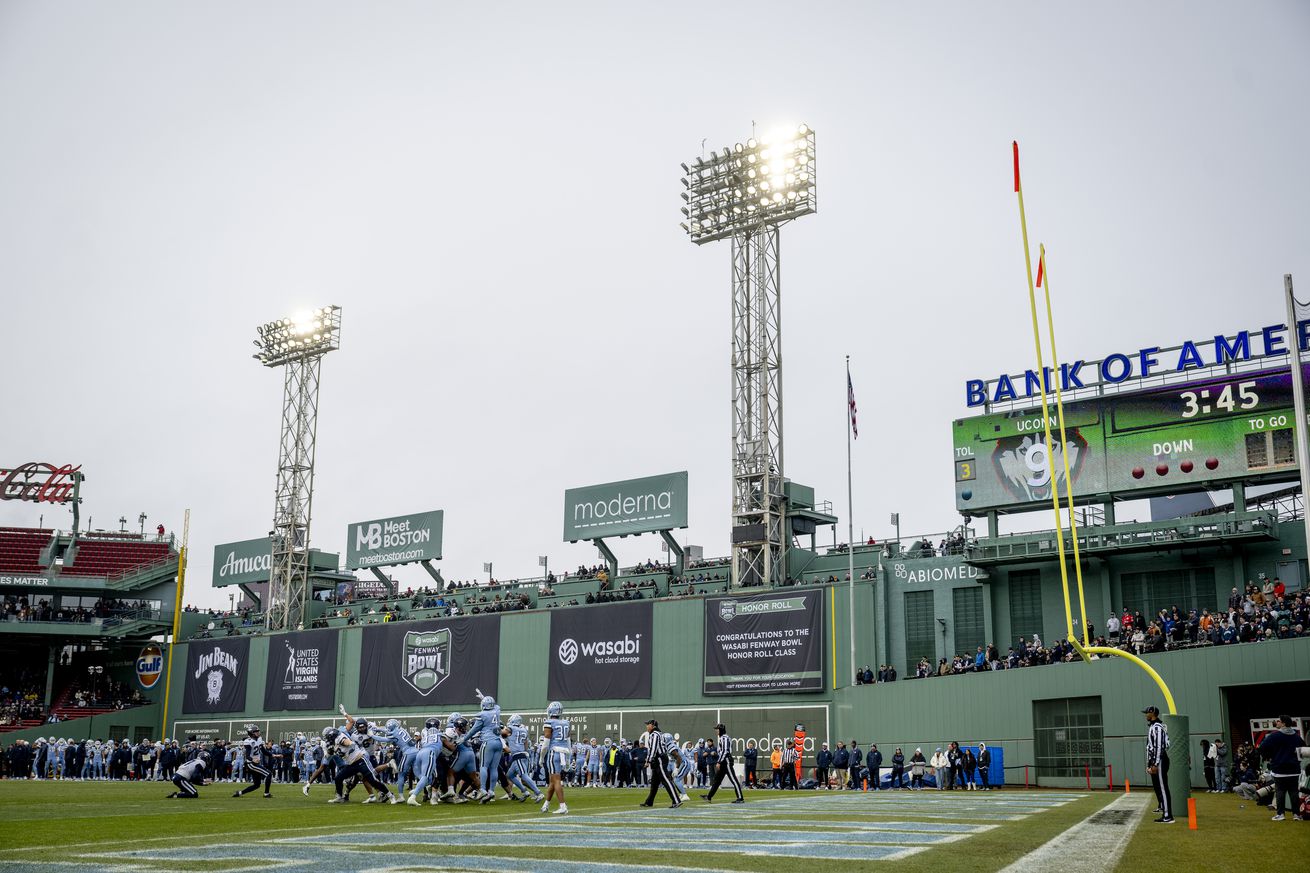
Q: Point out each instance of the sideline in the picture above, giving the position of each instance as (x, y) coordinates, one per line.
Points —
(1097, 842)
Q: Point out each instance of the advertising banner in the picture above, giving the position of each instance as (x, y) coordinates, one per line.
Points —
(243, 563)
(764, 644)
(401, 539)
(435, 662)
(216, 675)
(302, 671)
(601, 652)
(633, 506)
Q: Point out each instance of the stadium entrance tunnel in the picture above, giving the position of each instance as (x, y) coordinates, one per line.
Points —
(1250, 709)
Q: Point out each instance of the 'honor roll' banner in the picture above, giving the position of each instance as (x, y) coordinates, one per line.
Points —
(769, 643)
(414, 663)
(600, 652)
(302, 671)
(216, 675)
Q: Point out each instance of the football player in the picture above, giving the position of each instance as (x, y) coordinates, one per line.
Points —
(557, 752)
(259, 759)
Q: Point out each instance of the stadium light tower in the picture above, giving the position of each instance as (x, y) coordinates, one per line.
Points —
(746, 193)
(297, 345)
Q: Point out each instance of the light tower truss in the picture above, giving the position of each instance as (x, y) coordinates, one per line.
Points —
(297, 345)
(746, 193)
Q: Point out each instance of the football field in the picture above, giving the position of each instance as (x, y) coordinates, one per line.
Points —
(70, 826)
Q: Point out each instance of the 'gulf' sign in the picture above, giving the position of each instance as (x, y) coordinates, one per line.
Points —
(149, 666)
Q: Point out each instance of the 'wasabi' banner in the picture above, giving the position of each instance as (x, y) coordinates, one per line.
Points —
(401, 539)
(633, 506)
(768, 643)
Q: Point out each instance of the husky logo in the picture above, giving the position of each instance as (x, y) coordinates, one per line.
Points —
(1025, 469)
(426, 659)
(214, 685)
(727, 610)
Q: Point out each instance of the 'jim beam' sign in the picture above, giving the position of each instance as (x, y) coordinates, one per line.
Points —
(39, 482)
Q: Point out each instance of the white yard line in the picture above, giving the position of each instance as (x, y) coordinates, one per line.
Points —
(1094, 844)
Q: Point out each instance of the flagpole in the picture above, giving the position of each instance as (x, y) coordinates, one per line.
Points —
(850, 522)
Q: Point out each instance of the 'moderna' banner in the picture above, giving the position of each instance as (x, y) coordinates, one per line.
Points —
(764, 644)
(633, 506)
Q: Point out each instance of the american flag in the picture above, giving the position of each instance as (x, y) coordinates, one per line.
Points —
(850, 401)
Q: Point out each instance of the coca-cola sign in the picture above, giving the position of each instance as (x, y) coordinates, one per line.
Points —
(39, 482)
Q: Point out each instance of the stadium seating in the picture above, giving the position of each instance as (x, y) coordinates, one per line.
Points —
(111, 557)
(20, 549)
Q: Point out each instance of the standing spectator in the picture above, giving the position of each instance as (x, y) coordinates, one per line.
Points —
(1207, 762)
(970, 765)
(917, 766)
(984, 766)
(1220, 751)
(841, 761)
(1279, 747)
(856, 765)
(1112, 628)
(749, 760)
(775, 761)
(873, 762)
(940, 773)
(898, 768)
(822, 764)
(954, 765)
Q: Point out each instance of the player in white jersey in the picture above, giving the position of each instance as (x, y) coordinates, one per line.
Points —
(259, 761)
(557, 752)
(357, 763)
(189, 774)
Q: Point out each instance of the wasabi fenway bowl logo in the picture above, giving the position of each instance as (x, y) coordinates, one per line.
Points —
(425, 659)
(727, 609)
(149, 666)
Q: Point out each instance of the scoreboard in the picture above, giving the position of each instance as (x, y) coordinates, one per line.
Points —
(1169, 439)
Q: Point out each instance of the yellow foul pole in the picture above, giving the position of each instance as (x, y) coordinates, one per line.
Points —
(1046, 412)
(1044, 268)
(177, 617)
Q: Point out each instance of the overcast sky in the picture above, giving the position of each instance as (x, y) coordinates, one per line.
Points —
(490, 192)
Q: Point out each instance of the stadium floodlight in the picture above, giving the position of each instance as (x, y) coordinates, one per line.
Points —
(297, 344)
(304, 335)
(745, 193)
(750, 186)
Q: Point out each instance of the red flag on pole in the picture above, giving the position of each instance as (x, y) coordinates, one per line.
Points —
(1041, 269)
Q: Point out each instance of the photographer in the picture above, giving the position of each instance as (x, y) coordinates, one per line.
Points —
(1280, 749)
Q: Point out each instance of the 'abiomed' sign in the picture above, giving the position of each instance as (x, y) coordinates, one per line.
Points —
(633, 506)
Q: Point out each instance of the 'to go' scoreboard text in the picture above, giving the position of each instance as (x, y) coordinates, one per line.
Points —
(1161, 440)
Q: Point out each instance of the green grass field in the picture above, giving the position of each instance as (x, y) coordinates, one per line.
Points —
(130, 826)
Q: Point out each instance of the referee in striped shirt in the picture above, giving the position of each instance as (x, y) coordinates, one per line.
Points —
(789, 757)
(657, 756)
(1157, 762)
(723, 745)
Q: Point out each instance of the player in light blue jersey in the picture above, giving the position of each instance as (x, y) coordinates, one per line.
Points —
(425, 762)
(516, 748)
(487, 728)
(557, 752)
(679, 766)
(397, 735)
